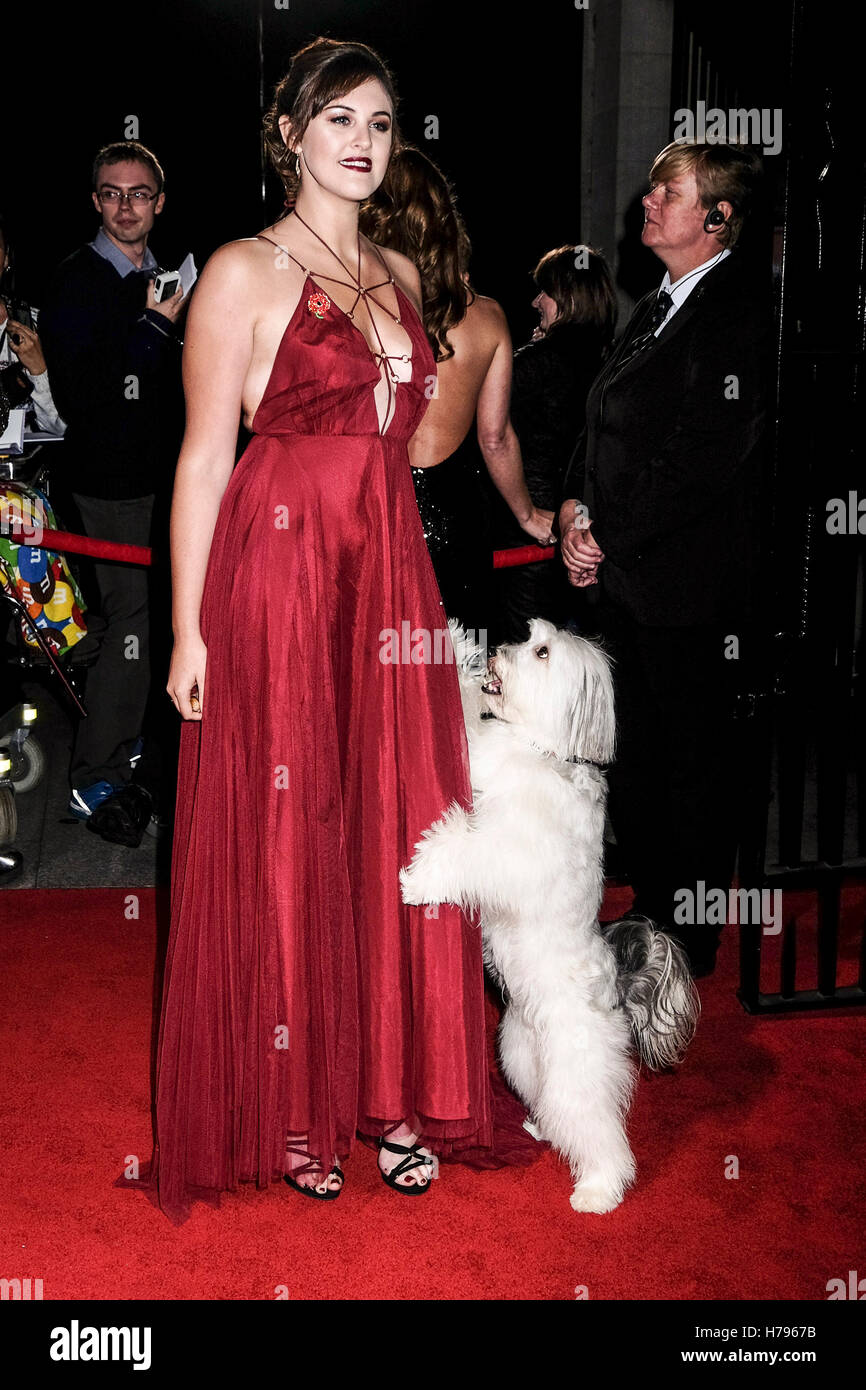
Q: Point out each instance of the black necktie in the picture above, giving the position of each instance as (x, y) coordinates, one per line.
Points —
(662, 307)
(660, 311)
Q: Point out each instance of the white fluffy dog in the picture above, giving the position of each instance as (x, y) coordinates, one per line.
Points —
(540, 722)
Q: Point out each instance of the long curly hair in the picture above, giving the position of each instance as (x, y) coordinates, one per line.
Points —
(319, 73)
(414, 211)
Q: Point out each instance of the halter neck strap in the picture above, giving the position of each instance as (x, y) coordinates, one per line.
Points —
(350, 284)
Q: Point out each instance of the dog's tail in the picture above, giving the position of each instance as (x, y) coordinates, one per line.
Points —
(655, 989)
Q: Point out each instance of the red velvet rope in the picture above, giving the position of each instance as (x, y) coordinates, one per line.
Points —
(141, 554)
(26, 533)
(522, 555)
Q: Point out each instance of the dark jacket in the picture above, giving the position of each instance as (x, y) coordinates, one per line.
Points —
(115, 376)
(548, 398)
(670, 462)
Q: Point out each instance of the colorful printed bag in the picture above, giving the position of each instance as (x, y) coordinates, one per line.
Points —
(42, 579)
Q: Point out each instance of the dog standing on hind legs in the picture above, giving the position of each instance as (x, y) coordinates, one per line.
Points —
(540, 724)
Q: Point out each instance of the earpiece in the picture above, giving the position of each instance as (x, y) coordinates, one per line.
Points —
(714, 218)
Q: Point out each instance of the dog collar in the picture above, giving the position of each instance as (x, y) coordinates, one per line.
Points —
(590, 762)
(548, 753)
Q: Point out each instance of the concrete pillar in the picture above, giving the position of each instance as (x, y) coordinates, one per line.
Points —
(626, 120)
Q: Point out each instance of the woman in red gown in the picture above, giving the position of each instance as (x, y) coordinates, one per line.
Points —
(304, 1003)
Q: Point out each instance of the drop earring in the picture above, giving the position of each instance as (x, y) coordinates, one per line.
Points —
(297, 166)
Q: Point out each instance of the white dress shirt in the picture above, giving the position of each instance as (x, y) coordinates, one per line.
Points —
(680, 290)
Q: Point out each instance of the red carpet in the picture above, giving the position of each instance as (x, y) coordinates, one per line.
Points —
(783, 1095)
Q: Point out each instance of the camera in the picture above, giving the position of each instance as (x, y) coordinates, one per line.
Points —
(18, 310)
(15, 391)
(165, 285)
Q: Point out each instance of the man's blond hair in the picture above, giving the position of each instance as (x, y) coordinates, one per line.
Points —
(722, 172)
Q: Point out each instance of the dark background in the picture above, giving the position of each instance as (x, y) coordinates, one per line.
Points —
(506, 92)
(504, 82)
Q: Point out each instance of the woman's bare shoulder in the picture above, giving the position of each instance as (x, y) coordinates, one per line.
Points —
(485, 320)
(235, 262)
(486, 309)
(248, 254)
(237, 274)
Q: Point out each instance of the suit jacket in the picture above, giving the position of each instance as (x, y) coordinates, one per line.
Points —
(670, 462)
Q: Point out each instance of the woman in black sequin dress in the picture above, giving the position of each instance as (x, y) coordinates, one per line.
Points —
(454, 514)
(414, 212)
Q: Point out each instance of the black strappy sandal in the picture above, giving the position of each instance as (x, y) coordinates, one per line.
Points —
(308, 1189)
(390, 1179)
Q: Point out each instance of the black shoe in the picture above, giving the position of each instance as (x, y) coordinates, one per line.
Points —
(414, 1158)
(312, 1166)
(124, 817)
(308, 1190)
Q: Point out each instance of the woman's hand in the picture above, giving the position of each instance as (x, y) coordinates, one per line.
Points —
(538, 526)
(580, 553)
(186, 677)
(25, 343)
(583, 581)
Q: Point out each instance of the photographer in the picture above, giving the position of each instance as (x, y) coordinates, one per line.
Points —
(20, 347)
(115, 355)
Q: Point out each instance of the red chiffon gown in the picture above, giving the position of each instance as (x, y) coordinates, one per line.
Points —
(301, 995)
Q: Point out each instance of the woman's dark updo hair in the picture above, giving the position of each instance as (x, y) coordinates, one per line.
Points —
(414, 211)
(319, 73)
(579, 282)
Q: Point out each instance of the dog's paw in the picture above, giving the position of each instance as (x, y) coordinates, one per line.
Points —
(415, 892)
(532, 1128)
(594, 1196)
(410, 889)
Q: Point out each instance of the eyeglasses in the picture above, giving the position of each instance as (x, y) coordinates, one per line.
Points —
(114, 195)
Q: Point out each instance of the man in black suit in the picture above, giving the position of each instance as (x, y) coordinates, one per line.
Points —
(660, 511)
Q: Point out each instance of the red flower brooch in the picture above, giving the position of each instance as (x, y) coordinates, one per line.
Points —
(318, 304)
